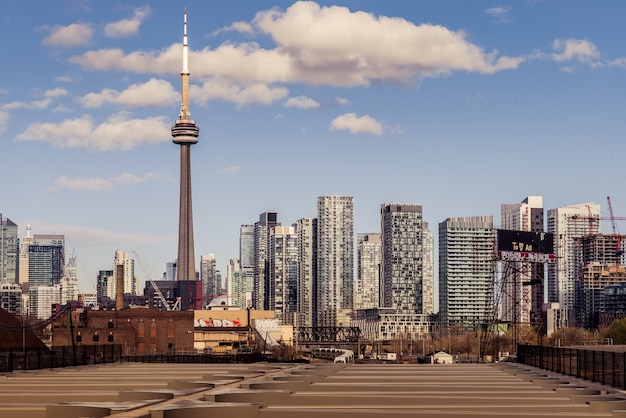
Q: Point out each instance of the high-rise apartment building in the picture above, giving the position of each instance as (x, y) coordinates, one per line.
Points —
(466, 270)
(262, 228)
(335, 260)
(9, 255)
(568, 223)
(211, 281)
(239, 285)
(246, 245)
(428, 270)
(403, 281)
(306, 229)
(520, 301)
(128, 268)
(367, 285)
(283, 267)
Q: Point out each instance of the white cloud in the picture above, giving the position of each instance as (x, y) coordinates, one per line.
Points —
(118, 133)
(314, 45)
(97, 184)
(357, 125)
(241, 27)
(154, 92)
(127, 27)
(241, 95)
(342, 101)
(64, 79)
(166, 61)
(500, 14)
(57, 92)
(35, 104)
(575, 50)
(302, 102)
(233, 169)
(74, 35)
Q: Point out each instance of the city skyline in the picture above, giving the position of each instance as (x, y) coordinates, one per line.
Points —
(499, 113)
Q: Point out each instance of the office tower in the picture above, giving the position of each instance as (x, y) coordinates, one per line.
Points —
(402, 258)
(568, 223)
(335, 260)
(211, 282)
(46, 264)
(128, 271)
(306, 229)
(283, 268)
(246, 245)
(428, 270)
(367, 285)
(185, 133)
(262, 228)
(9, 247)
(466, 270)
(522, 302)
(239, 285)
(46, 256)
(105, 285)
(23, 258)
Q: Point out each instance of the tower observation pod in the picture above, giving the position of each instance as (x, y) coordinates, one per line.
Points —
(185, 133)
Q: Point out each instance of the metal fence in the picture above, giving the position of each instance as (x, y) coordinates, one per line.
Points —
(18, 359)
(605, 367)
(65, 356)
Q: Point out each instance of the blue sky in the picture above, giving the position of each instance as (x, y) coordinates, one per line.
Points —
(458, 106)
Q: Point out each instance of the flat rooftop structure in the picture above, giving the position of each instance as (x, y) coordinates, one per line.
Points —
(279, 390)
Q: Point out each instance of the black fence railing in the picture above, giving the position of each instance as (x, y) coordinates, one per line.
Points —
(18, 359)
(602, 366)
(65, 356)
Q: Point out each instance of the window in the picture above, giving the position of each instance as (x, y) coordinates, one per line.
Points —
(96, 338)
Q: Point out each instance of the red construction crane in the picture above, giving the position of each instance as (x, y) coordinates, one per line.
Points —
(618, 238)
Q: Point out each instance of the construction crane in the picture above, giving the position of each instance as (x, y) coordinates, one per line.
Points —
(618, 238)
(157, 291)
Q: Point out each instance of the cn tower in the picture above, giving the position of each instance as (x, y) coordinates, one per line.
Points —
(185, 133)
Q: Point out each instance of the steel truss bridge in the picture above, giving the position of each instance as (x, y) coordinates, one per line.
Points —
(328, 335)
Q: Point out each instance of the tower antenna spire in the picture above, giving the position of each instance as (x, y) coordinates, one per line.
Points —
(184, 108)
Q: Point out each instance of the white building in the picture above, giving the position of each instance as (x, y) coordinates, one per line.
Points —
(335, 259)
(128, 271)
(568, 223)
(42, 298)
(466, 270)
